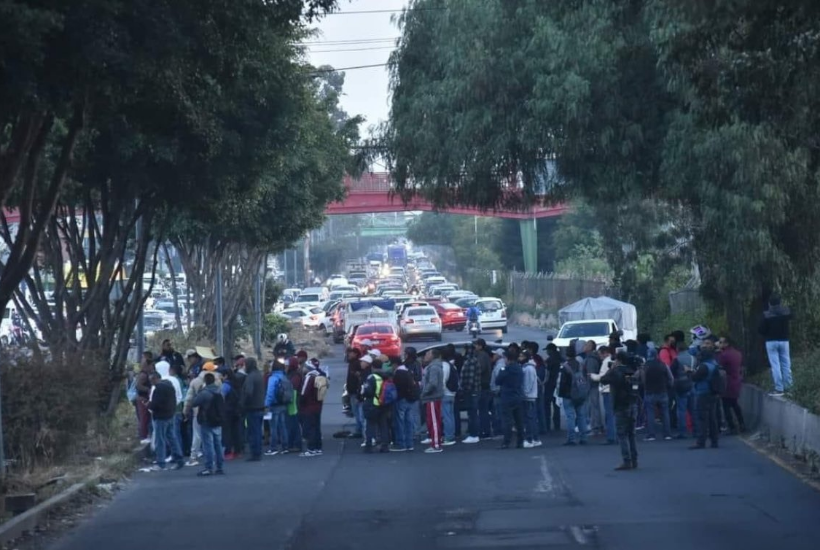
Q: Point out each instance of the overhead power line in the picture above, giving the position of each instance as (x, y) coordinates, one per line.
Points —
(355, 49)
(383, 11)
(336, 69)
(346, 42)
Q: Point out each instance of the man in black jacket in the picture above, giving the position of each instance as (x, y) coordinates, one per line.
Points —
(408, 396)
(485, 396)
(657, 379)
(162, 404)
(551, 409)
(775, 329)
(624, 389)
(253, 403)
(353, 387)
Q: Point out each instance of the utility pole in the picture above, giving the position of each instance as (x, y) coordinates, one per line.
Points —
(285, 266)
(475, 230)
(306, 260)
(220, 338)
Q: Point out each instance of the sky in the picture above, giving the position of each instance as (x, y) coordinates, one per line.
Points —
(372, 36)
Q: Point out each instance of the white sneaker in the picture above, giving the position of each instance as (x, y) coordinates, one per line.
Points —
(192, 462)
(308, 454)
(425, 441)
(431, 450)
(536, 443)
(145, 441)
(528, 445)
(169, 459)
(470, 440)
(449, 442)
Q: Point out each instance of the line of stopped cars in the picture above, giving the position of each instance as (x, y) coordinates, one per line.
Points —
(389, 305)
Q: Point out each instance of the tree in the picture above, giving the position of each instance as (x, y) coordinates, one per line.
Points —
(701, 116)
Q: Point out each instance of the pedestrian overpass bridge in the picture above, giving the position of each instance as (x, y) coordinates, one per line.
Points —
(371, 194)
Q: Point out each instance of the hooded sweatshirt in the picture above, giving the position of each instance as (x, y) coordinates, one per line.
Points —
(270, 395)
(197, 385)
(511, 381)
(253, 390)
(309, 394)
(530, 386)
(446, 367)
(432, 382)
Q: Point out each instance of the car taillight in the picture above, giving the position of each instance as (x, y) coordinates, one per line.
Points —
(408, 321)
(435, 320)
(314, 317)
(503, 313)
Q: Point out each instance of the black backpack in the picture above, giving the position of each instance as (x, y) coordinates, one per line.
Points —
(683, 380)
(717, 380)
(215, 412)
(452, 380)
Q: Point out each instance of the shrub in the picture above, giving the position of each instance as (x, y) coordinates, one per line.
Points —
(274, 324)
(49, 405)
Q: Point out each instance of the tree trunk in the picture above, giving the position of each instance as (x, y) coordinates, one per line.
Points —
(170, 264)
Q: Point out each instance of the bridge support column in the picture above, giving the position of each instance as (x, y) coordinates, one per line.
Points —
(529, 244)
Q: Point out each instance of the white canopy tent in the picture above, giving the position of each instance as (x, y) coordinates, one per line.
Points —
(603, 307)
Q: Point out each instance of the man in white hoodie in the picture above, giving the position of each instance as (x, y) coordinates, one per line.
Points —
(530, 390)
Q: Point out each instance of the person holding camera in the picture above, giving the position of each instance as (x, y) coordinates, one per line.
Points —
(623, 381)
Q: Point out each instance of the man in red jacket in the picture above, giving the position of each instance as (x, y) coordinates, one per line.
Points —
(668, 352)
(731, 360)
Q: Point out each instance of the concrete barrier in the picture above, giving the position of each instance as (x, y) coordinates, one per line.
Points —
(782, 422)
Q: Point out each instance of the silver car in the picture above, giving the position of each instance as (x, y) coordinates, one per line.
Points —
(420, 322)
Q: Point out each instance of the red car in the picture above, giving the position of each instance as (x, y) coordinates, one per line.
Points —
(452, 316)
(382, 336)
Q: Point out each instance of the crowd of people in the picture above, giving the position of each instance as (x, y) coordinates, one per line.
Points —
(192, 409)
(198, 412)
(610, 391)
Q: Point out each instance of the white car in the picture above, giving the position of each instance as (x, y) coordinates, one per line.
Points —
(597, 330)
(493, 314)
(308, 317)
(308, 300)
(420, 322)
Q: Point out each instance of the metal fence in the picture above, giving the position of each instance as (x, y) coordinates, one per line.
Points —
(548, 292)
(686, 300)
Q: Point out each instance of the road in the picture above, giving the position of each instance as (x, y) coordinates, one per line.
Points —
(469, 497)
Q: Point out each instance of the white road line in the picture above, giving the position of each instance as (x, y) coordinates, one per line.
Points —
(545, 482)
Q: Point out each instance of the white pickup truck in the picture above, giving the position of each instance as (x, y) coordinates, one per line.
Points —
(597, 330)
(369, 311)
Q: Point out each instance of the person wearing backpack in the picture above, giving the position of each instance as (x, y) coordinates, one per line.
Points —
(451, 383)
(211, 414)
(682, 368)
(311, 398)
(278, 396)
(573, 389)
(375, 410)
(706, 379)
(623, 382)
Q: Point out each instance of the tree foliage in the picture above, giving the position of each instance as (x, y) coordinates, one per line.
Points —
(690, 127)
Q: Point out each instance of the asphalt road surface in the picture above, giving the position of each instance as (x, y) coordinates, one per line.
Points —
(468, 497)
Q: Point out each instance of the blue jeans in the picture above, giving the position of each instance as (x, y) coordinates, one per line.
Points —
(165, 439)
(576, 414)
(609, 417)
(405, 423)
(781, 364)
(278, 428)
(685, 403)
(485, 400)
(358, 413)
(661, 400)
(294, 431)
(212, 446)
(448, 417)
(472, 402)
(255, 432)
(178, 431)
(531, 420)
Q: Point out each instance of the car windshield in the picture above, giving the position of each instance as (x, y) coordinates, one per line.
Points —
(584, 330)
(294, 313)
(152, 322)
(421, 312)
(308, 298)
(316, 310)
